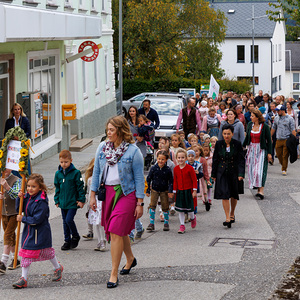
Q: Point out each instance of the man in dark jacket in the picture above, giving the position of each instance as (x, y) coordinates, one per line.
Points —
(149, 112)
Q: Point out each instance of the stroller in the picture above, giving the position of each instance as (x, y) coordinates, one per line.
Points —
(149, 159)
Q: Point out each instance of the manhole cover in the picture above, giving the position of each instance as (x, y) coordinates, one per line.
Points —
(243, 243)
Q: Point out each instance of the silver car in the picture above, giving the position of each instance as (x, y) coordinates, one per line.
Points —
(138, 99)
(168, 111)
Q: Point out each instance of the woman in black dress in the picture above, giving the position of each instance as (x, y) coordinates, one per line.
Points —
(228, 168)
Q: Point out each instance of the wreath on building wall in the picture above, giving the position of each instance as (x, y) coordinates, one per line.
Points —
(25, 144)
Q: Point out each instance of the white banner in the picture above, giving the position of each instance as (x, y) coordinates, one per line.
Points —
(13, 155)
(213, 88)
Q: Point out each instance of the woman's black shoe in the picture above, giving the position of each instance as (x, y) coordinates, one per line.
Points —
(228, 224)
(111, 285)
(207, 206)
(232, 220)
(126, 271)
(260, 196)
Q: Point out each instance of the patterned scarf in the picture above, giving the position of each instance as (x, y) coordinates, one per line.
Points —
(212, 121)
(113, 155)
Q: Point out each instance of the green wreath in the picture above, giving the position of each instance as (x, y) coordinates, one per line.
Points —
(25, 144)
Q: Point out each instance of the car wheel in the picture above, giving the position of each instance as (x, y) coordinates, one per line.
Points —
(124, 113)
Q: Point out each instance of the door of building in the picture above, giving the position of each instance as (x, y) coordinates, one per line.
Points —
(4, 95)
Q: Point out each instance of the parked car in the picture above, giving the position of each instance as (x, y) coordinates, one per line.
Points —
(138, 99)
(168, 110)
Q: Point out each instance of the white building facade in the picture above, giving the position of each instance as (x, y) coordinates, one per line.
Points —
(269, 46)
(36, 37)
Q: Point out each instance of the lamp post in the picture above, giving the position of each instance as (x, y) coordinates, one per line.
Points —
(253, 18)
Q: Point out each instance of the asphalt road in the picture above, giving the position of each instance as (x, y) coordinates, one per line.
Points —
(247, 261)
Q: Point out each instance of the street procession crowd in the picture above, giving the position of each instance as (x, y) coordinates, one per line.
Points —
(205, 159)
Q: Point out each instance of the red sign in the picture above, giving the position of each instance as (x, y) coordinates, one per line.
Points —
(94, 48)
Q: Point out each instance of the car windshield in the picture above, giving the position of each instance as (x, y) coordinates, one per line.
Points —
(166, 108)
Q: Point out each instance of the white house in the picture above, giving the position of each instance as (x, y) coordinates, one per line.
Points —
(269, 46)
(292, 69)
(36, 37)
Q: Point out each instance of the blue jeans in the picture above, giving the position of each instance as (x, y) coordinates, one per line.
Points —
(69, 224)
(138, 227)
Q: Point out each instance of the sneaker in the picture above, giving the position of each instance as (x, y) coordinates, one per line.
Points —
(166, 227)
(194, 222)
(75, 241)
(181, 229)
(58, 273)
(131, 240)
(102, 245)
(20, 284)
(139, 234)
(150, 227)
(11, 266)
(88, 236)
(284, 173)
(172, 211)
(66, 246)
(161, 217)
(2, 267)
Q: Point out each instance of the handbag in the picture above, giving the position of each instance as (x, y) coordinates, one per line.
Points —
(240, 186)
(101, 192)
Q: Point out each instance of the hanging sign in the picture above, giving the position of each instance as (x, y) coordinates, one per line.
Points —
(94, 47)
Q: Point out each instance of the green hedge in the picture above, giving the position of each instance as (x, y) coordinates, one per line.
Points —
(137, 86)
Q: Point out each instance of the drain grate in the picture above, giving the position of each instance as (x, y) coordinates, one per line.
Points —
(243, 243)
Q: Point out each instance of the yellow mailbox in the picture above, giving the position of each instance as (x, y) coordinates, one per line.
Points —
(69, 111)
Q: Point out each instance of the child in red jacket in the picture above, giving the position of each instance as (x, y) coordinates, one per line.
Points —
(185, 187)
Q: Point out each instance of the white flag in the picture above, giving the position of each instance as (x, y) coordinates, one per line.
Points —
(213, 88)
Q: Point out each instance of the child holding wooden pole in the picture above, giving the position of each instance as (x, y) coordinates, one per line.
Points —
(10, 187)
(36, 242)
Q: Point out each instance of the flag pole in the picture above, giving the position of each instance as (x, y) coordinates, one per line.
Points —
(19, 223)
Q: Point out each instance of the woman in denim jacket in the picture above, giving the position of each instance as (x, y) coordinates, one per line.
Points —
(119, 164)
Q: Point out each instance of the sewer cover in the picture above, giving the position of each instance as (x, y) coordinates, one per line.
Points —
(243, 243)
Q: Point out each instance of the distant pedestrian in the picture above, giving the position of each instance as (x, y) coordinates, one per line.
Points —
(284, 126)
(69, 195)
(36, 244)
(259, 142)
(228, 169)
(150, 113)
(190, 118)
(185, 187)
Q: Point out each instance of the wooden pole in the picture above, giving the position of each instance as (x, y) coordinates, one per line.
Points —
(1, 201)
(19, 223)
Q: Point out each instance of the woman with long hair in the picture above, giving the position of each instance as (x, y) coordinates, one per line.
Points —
(119, 166)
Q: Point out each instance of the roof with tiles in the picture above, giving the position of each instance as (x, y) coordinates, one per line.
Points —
(295, 54)
(239, 16)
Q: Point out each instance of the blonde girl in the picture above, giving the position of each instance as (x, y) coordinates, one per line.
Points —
(213, 141)
(193, 139)
(185, 187)
(36, 242)
(176, 143)
(94, 217)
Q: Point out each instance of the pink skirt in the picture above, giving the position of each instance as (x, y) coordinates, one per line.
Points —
(121, 220)
(30, 256)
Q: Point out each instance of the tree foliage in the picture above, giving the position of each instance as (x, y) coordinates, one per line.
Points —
(291, 14)
(170, 38)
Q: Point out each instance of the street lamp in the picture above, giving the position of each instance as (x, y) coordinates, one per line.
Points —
(253, 18)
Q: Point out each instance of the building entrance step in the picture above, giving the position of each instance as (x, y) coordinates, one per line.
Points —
(74, 138)
(79, 145)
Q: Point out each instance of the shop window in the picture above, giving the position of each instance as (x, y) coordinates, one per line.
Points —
(42, 79)
(279, 82)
